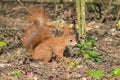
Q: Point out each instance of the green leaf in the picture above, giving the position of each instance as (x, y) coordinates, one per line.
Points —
(86, 44)
(90, 72)
(116, 72)
(82, 51)
(119, 23)
(2, 43)
(97, 59)
(17, 72)
(93, 53)
(98, 73)
(86, 56)
(79, 45)
(93, 46)
(71, 64)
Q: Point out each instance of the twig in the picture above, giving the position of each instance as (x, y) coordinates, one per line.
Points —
(106, 11)
(117, 18)
(22, 5)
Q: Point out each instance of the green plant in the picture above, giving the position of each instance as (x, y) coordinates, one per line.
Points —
(93, 53)
(116, 72)
(86, 56)
(17, 73)
(96, 74)
(2, 43)
(86, 44)
(88, 48)
(119, 23)
(71, 64)
(74, 65)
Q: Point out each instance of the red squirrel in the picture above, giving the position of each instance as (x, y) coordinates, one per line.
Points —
(38, 42)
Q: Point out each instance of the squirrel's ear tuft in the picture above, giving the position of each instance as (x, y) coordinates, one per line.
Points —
(67, 30)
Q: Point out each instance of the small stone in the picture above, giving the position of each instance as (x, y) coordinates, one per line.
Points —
(84, 78)
(113, 29)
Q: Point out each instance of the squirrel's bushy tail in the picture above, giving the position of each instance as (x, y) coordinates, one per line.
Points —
(38, 31)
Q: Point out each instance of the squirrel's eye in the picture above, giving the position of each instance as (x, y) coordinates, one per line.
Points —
(70, 40)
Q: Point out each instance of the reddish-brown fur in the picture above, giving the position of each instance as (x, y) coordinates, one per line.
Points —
(38, 31)
(39, 45)
(54, 45)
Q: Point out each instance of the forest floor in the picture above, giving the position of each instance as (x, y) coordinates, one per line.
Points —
(16, 65)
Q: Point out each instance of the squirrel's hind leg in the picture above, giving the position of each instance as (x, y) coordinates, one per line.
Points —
(42, 53)
(47, 57)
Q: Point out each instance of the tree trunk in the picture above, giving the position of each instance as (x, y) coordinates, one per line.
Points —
(80, 8)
